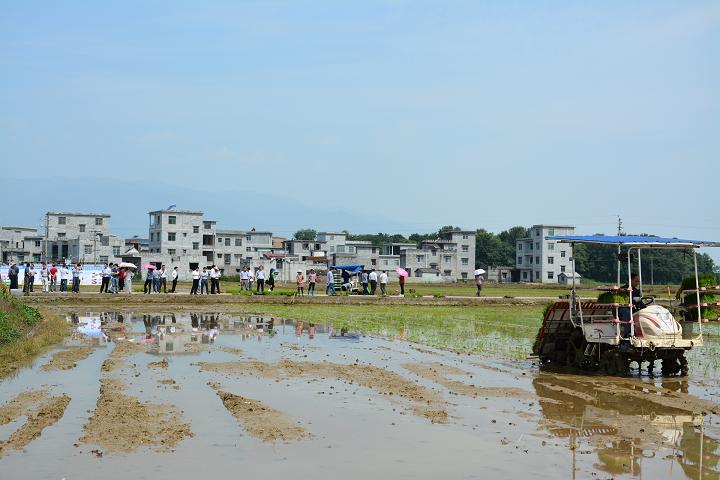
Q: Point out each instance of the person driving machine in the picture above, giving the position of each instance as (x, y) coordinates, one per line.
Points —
(636, 298)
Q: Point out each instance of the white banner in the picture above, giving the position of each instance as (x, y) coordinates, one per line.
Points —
(90, 275)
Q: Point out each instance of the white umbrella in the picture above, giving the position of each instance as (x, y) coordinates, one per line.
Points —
(126, 265)
(479, 271)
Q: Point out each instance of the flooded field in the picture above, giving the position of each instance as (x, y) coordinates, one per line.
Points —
(186, 395)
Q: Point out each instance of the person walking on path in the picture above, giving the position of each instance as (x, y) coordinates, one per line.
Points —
(373, 277)
(64, 275)
(195, 281)
(148, 286)
(479, 284)
(401, 281)
(13, 274)
(163, 279)
(214, 285)
(114, 272)
(204, 281)
(76, 274)
(174, 277)
(383, 283)
(312, 278)
(330, 287)
(53, 277)
(261, 280)
(45, 277)
(364, 282)
(300, 281)
(105, 279)
(128, 280)
(271, 279)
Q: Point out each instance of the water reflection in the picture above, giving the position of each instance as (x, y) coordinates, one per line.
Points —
(623, 429)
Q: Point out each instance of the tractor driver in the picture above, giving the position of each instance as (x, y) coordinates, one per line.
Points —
(624, 313)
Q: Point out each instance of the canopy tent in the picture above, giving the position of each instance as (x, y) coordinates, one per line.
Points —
(635, 241)
(350, 268)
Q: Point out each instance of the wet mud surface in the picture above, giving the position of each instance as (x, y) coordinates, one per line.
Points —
(189, 395)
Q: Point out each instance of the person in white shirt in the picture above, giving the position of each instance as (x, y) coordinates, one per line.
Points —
(383, 283)
(163, 279)
(214, 280)
(45, 277)
(204, 281)
(244, 278)
(105, 282)
(373, 281)
(195, 281)
(64, 275)
(330, 286)
(251, 278)
(261, 279)
(174, 278)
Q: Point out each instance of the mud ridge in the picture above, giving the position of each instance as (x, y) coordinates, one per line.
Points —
(67, 359)
(48, 413)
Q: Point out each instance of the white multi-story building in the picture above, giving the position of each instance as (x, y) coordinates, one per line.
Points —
(541, 260)
(80, 237)
(20, 244)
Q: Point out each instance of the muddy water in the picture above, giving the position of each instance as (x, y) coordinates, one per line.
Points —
(266, 400)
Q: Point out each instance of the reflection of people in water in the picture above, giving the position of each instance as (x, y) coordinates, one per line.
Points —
(311, 331)
(298, 328)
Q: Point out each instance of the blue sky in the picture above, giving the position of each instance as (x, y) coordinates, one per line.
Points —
(395, 115)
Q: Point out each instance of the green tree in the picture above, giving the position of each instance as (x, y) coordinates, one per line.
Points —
(305, 234)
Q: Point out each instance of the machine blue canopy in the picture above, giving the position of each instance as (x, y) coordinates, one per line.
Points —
(635, 241)
(350, 268)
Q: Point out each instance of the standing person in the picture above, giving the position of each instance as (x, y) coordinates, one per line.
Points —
(163, 279)
(251, 278)
(13, 273)
(64, 275)
(373, 281)
(312, 278)
(271, 279)
(244, 279)
(217, 278)
(401, 280)
(345, 279)
(383, 283)
(174, 277)
(27, 286)
(114, 272)
(261, 280)
(45, 277)
(300, 282)
(214, 287)
(364, 282)
(204, 281)
(479, 284)
(76, 273)
(148, 286)
(105, 282)
(121, 279)
(128, 280)
(53, 277)
(156, 280)
(32, 277)
(330, 287)
(195, 281)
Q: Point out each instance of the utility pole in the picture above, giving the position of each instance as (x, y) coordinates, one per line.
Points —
(618, 250)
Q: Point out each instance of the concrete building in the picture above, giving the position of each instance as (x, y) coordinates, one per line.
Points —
(20, 244)
(80, 237)
(541, 260)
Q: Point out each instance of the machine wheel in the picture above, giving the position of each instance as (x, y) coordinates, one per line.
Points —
(684, 369)
(613, 362)
(671, 366)
(576, 349)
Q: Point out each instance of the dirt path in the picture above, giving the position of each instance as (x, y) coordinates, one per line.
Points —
(439, 373)
(122, 423)
(260, 420)
(67, 359)
(425, 402)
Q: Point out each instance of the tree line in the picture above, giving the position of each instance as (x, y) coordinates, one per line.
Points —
(595, 262)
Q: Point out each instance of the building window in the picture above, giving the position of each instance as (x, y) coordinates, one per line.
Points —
(551, 275)
(248, 249)
(537, 245)
(530, 260)
(562, 268)
(524, 275)
(88, 249)
(207, 225)
(419, 258)
(465, 248)
(562, 254)
(551, 232)
(317, 246)
(61, 234)
(238, 258)
(248, 238)
(103, 259)
(171, 251)
(196, 229)
(447, 258)
(464, 261)
(227, 259)
(196, 245)
(465, 236)
(98, 221)
(519, 260)
(537, 275)
(519, 246)
(61, 220)
(331, 237)
(434, 252)
(537, 260)
(82, 228)
(171, 236)
(227, 242)
(238, 242)
(172, 219)
(116, 250)
(551, 260)
(37, 243)
(464, 275)
(537, 232)
(551, 246)
(219, 240)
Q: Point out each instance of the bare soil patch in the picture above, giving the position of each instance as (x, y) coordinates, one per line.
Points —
(67, 359)
(161, 364)
(41, 413)
(20, 404)
(122, 350)
(260, 420)
(425, 402)
(122, 423)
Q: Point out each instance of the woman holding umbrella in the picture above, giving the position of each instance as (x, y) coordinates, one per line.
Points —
(479, 279)
(402, 274)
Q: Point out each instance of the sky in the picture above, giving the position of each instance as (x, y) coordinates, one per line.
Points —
(396, 116)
